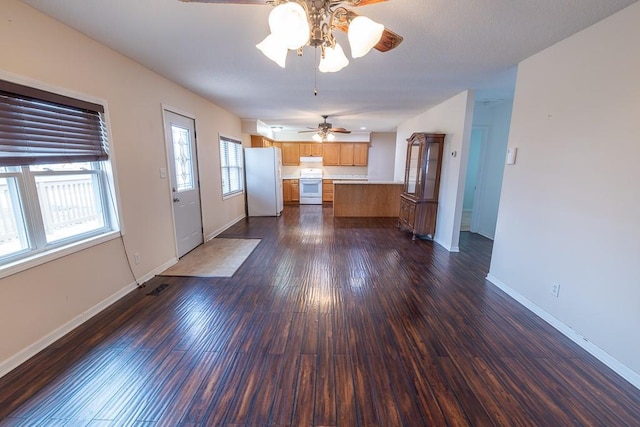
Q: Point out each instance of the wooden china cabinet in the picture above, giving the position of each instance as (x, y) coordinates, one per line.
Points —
(419, 198)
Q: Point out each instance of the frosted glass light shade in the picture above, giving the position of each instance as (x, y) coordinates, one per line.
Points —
(363, 35)
(334, 60)
(316, 137)
(274, 48)
(331, 137)
(289, 22)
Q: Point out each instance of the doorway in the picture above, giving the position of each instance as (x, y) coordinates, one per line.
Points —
(473, 183)
(184, 179)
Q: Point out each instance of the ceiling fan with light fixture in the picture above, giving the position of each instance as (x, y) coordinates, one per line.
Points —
(295, 24)
(325, 131)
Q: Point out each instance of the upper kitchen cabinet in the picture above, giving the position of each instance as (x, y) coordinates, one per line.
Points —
(260, 141)
(263, 141)
(360, 154)
(346, 154)
(290, 153)
(331, 154)
(310, 149)
(354, 154)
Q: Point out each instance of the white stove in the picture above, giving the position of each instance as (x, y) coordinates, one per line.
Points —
(310, 186)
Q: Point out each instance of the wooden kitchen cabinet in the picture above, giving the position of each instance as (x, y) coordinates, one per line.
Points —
(262, 141)
(290, 154)
(286, 190)
(327, 191)
(310, 149)
(295, 191)
(360, 154)
(346, 154)
(290, 191)
(330, 154)
(419, 198)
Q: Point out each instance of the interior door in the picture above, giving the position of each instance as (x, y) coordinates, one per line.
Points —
(183, 166)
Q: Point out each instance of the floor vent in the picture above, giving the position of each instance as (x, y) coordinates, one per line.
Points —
(159, 289)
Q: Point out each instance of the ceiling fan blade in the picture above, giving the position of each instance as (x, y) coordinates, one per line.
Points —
(388, 41)
(362, 2)
(227, 1)
(339, 131)
(304, 131)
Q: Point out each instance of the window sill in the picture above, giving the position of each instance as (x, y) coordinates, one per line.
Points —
(42, 258)
(231, 196)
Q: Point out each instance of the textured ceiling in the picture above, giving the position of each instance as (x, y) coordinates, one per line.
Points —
(449, 46)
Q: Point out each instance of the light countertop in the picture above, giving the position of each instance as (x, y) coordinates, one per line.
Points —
(368, 182)
(345, 177)
(333, 177)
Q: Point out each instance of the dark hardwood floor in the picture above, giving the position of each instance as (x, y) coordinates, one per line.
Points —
(329, 322)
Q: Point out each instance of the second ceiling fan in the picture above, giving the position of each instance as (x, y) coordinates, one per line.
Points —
(325, 131)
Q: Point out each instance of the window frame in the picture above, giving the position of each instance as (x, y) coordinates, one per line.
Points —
(33, 211)
(103, 190)
(224, 166)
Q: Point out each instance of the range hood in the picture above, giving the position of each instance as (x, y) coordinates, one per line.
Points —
(311, 160)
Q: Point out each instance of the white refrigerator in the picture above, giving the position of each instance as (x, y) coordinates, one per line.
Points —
(263, 177)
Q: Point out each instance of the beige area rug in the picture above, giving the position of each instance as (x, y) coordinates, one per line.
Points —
(218, 257)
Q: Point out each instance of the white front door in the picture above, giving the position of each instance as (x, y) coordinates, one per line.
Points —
(183, 165)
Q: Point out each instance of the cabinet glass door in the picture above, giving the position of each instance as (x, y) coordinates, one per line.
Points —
(432, 158)
(414, 171)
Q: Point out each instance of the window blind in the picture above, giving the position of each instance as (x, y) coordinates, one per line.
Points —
(39, 127)
(231, 165)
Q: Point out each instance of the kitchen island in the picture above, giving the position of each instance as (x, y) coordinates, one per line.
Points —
(366, 198)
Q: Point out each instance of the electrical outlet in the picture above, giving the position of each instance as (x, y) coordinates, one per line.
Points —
(555, 289)
(136, 257)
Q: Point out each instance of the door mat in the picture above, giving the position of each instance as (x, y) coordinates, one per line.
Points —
(218, 257)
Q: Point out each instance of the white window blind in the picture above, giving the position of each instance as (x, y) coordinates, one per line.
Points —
(231, 166)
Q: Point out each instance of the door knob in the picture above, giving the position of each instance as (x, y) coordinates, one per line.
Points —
(176, 200)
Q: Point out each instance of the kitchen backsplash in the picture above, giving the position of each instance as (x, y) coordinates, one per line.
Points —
(345, 170)
(291, 171)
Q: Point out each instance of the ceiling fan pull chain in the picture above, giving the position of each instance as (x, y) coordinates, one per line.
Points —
(315, 72)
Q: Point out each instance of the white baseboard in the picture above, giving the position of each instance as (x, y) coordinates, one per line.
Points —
(25, 354)
(150, 275)
(483, 234)
(632, 377)
(33, 349)
(223, 228)
(447, 247)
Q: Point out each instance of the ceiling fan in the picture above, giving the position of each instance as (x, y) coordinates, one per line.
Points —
(325, 131)
(295, 24)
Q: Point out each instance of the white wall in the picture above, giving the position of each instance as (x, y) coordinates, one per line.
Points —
(453, 117)
(382, 156)
(472, 168)
(494, 119)
(308, 136)
(570, 206)
(48, 300)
